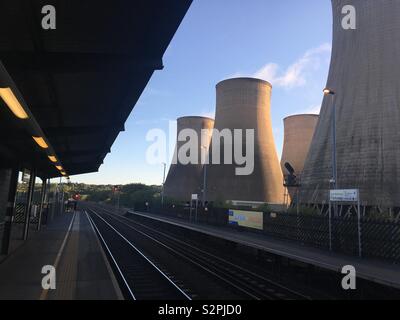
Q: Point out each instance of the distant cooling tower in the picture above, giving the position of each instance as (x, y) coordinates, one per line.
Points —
(299, 131)
(365, 74)
(244, 103)
(183, 180)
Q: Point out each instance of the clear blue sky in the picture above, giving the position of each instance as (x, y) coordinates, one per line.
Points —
(286, 42)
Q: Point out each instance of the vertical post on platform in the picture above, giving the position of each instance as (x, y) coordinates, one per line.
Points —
(297, 214)
(190, 211)
(330, 226)
(359, 226)
(31, 189)
(197, 202)
(205, 185)
(205, 162)
(163, 183)
(47, 200)
(62, 197)
(334, 156)
(54, 200)
(334, 160)
(62, 202)
(42, 201)
(12, 190)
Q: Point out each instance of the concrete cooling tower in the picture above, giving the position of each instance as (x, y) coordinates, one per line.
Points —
(183, 180)
(299, 131)
(365, 75)
(244, 103)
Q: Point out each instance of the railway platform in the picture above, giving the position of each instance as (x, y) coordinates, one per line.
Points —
(372, 270)
(70, 245)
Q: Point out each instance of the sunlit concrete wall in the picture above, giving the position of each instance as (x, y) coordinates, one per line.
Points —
(244, 103)
(183, 180)
(365, 73)
(299, 131)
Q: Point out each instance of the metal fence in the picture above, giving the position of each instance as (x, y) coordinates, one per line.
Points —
(212, 216)
(380, 238)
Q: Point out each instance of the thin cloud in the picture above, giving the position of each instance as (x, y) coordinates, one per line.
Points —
(296, 74)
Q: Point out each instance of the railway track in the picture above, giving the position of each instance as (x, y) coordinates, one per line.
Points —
(246, 283)
(141, 278)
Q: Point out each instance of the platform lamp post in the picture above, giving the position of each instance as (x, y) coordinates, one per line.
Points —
(163, 183)
(329, 92)
(204, 177)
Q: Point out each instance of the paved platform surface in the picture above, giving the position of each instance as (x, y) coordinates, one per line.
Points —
(70, 244)
(376, 271)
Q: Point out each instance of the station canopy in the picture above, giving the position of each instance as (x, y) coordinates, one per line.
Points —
(81, 80)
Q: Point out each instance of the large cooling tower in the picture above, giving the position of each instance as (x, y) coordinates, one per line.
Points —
(299, 131)
(244, 103)
(183, 180)
(365, 74)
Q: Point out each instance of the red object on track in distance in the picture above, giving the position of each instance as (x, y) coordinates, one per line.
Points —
(77, 197)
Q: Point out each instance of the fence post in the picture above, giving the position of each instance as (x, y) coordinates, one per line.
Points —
(42, 201)
(330, 227)
(359, 227)
(28, 208)
(196, 211)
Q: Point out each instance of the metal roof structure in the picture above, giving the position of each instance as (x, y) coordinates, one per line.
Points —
(79, 82)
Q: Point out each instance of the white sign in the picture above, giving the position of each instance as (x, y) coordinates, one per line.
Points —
(26, 175)
(248, 219)
(345, 195)
(194, 197)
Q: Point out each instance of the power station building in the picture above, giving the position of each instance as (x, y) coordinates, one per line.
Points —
(185, 179)
(299, 131)
(244, 103)
(365, 76)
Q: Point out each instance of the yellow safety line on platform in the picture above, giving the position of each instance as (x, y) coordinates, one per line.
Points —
(43, 296)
